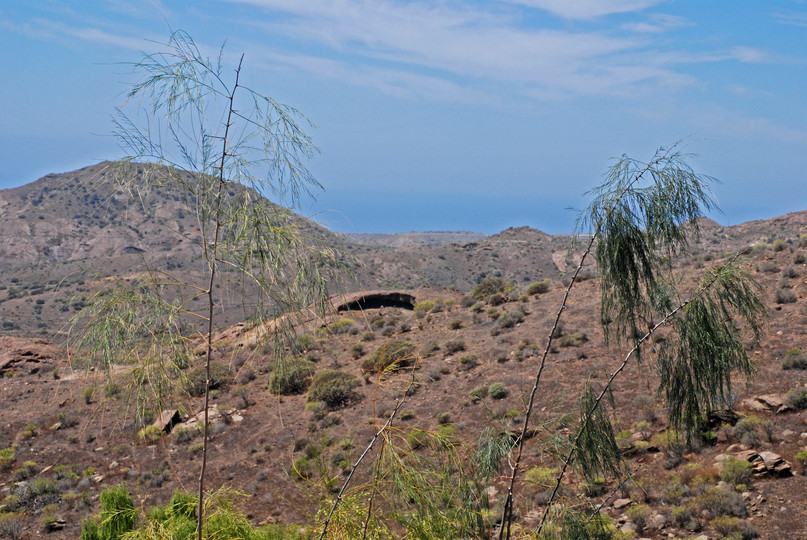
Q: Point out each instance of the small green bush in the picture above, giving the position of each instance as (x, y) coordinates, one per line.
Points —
(801, 457)
(488, 287)
(572, 340)
(291, 376)
(332, 387)
(393, 354)
(780, 245)
(7, 457)
(149, 434)
(345, 325)
(543, 477)
(747, 430)
(719, 501)
(480, 392)
(497, 390)
(785, 296)
(539, 287)
(796, 399)
(357, 350)
(794, 359)
(194, 382)
(735, 471)
(456, 324)
(639, 514)
(733, 528)
(88, 394)
(424, 306)
(790, 273)
(443, 418)
(468, 362)
(454, 346)
(301, 468)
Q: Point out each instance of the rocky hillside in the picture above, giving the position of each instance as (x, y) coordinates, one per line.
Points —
(70, 433)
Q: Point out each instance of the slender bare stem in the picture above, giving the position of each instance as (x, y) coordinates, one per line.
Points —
(366, 451)
(211, 253)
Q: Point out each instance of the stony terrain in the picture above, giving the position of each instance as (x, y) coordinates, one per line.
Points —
(72, 430)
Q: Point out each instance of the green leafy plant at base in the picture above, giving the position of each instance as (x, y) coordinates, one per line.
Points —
(220, 147)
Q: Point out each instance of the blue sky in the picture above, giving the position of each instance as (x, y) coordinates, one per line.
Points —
(452, 114)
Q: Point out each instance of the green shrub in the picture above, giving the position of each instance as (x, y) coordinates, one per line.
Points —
(785, 296)
(194, 381)
(301, 468)
(719, 501)
(801, 457)
(393, 354)
(454, 346)
(497, 390)
(456, 324)
(117, 513)
(780, 245)
(747, 431)
(477, 307)
(88, 394)
(12, 525)
(468, 362)
(342, 326)
(488, 287)
(796, 399)
(291, 376)
(443, 418)
(539, 287)
(638, 514)
(195, 448)
(332, 387)
(735, 471)
(423, 307)
(7, 457)
(794, 359)
(790, 273)
(357, 350)
(497, 299)
(543, 477)
(572, 340)
(149, 434)
(480, 392)
(493, 313)
(733, 528)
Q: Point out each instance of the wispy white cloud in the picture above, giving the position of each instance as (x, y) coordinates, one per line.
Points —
(656, 24)
(791, 18)
(467, 45)
(587, 9)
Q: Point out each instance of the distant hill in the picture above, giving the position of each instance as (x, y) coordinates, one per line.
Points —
(64, 232)
(407, 239)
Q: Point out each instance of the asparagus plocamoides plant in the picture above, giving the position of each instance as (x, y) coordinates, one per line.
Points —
(641, 217)
(191, 125)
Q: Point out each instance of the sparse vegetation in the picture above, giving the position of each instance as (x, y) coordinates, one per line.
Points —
(332, 387)
(393, 354)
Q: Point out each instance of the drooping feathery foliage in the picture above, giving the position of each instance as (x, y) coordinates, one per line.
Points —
(696, 362)
(642, 215)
